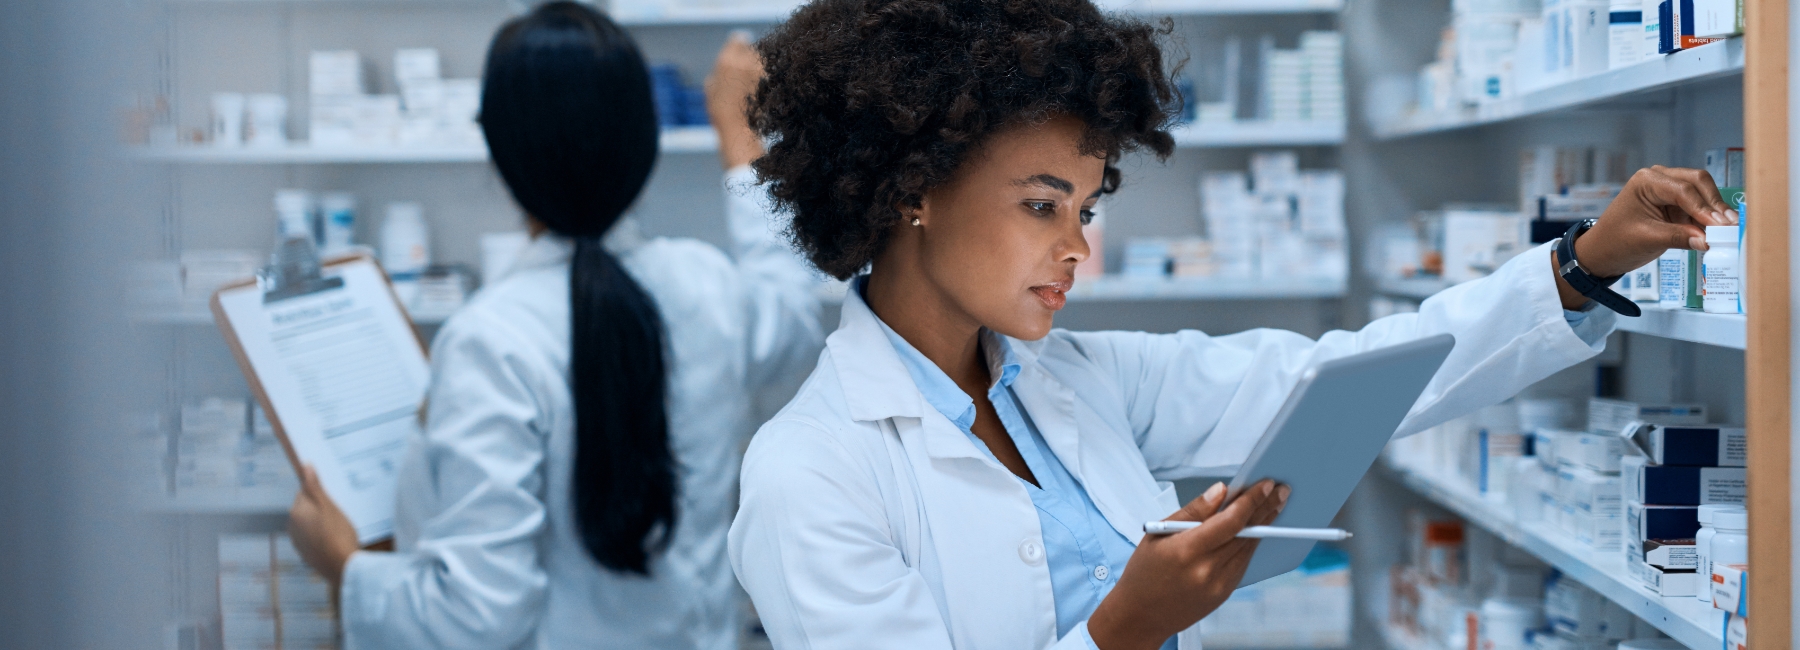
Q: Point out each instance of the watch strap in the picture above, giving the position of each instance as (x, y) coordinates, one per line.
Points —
(1597, 289)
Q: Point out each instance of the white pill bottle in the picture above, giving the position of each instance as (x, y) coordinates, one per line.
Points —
(1721, 271)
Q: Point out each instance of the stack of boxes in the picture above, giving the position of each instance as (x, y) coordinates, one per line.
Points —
(1305, 84)
(1670, 471)
(1290, 225)
(427, 110)
(269, 599)
(226, 452)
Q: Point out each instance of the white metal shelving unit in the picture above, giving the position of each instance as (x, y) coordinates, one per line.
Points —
(1685, 619)
(686, 140)
(1722, 330)
(1684, 67)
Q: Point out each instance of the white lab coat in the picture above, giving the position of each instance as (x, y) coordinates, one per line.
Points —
(868, 520)
(488, 553)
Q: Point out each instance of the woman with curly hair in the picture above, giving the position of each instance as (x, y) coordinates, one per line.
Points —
(957, 474)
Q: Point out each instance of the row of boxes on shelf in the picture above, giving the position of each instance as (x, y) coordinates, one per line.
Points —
(1633, 479)
(1462, 590)
(269, 599)
(223, 451)
(1561, 186)
(1301, 84)
(330, 221)
(1498, 49)
(1277, 221)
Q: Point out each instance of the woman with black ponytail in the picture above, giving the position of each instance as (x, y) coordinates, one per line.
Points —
(576, 475)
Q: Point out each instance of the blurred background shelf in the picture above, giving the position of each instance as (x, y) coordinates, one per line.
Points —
(1685, 619)
(682, 140)
(1413, 288)
(1684, 67)
(749, 15)
(1259, 133)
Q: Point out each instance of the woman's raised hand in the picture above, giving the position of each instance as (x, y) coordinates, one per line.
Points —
(734, 76)
(1172, 581)
(1659, 209)
(322, 535)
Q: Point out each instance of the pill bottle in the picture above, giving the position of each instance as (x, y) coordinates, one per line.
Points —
(1701, 540)
(294, 211)
(1506, 621)
(1720, 271)
(405, 242)
(1731, 539)
(337, 222)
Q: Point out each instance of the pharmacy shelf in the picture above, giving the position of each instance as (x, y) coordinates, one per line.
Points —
(1117, 288)
(687, 140)
(683, 140)
(1413, 288)
(266, 504)
(777, 12)
(1259, 133)
(1113, 288)
(1723, 330)
(199, 315)
(1693, 623)
(1687, 66)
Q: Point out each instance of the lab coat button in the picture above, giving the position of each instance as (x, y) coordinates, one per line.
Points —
(1100, 573)
(1031, 552)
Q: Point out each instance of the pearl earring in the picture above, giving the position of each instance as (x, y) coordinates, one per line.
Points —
(915, 221)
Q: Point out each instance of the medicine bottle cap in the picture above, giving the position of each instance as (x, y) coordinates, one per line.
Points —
(1722, 235)
(1708, 511)
(1731, 520)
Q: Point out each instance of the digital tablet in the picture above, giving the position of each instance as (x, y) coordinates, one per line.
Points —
(1327, 435)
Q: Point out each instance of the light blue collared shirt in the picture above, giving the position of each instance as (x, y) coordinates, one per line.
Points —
(1084, 553)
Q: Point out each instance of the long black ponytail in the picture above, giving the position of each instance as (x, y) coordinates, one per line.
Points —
(570, 123)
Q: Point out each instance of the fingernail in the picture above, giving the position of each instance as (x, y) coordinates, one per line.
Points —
(1718, 217)
(1697, 243)
(1732, 215)
(1285, 491)
(1213, 493)
(1268, 488)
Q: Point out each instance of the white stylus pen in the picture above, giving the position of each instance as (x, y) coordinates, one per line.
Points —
(1257, 532)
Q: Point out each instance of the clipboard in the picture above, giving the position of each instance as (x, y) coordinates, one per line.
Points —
(333, 358)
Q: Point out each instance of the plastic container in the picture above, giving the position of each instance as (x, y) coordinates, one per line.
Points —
(405, 241)
(1505, 622)
(265, 123)
(1720, 271)
(337, 222)
(227, 127)
(294, 211)
(1625, 35)
(1731, 541)
(1701, 541)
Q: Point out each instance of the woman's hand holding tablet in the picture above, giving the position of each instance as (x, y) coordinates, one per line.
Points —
(1172, 581)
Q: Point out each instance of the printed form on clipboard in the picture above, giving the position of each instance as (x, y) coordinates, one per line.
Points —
(336, 364)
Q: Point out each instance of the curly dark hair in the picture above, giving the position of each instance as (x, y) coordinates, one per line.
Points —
(872, 103)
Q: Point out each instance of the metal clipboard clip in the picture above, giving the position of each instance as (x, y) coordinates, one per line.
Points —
(295, 272)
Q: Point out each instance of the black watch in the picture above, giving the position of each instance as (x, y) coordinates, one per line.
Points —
(1585, 284)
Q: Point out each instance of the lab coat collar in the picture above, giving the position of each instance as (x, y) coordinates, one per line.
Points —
(877, 385)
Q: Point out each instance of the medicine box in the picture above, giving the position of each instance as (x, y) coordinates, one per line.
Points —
(1737, 633)
(1546, 443)
(1612, 415)
(1647, 522)
(1598, 452)
(1703, 446)
(335, 73)
(1589, 491)
(1728, 588)
(1681, 486)
(1665, 553)
(1665, 582)
(1577, 612)
(1716, 19)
